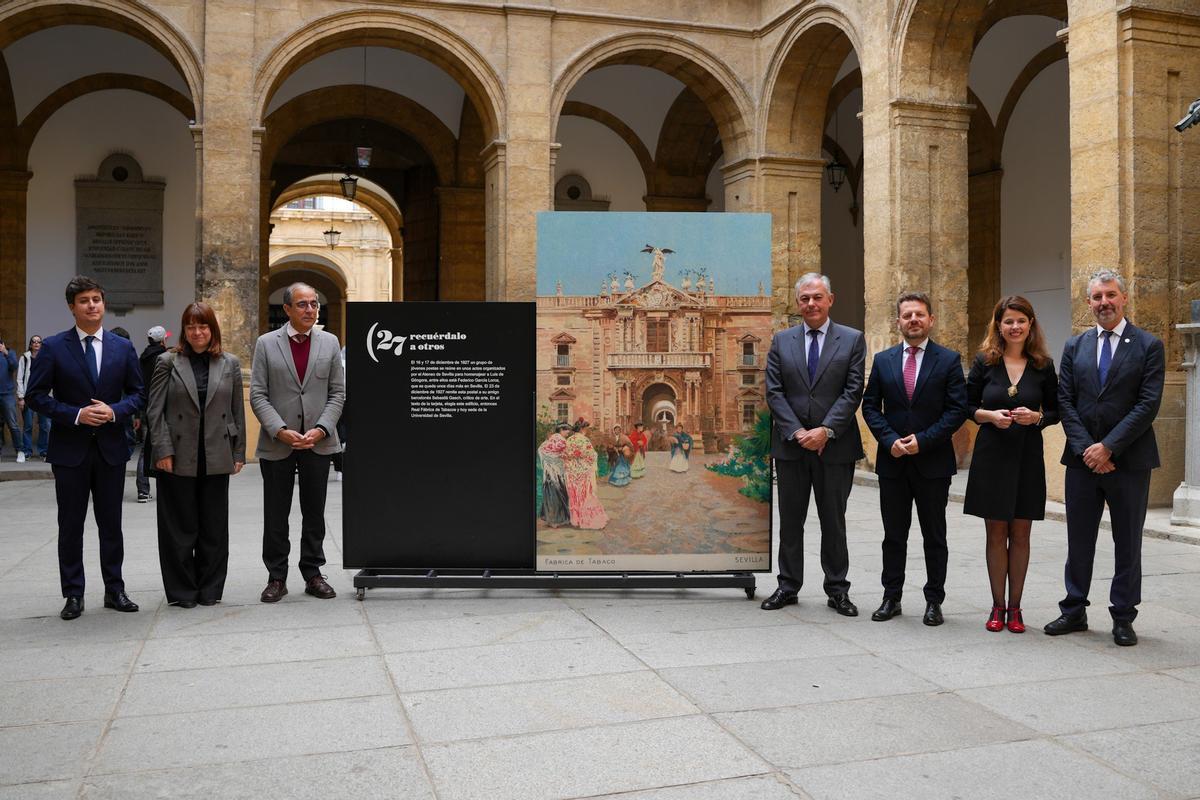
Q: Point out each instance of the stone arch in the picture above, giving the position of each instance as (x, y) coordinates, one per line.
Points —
(1000, 10)
(931, 48)
(712, 81)
(379, 204)
(329, 266)
(1051, 55)
(384, 28)
(322, 274)
(381, 105)
(27, 131)
(573, 108)
(19, 18)
(688, 147)
(796, 97)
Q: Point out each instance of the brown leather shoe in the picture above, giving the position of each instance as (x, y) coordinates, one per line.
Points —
(317, 587)
(274, 592)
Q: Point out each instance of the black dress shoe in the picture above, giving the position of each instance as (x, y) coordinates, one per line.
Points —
(890, 607)
(207, 602)
(933, 614)
(184, 603)
(1123, 633)
(1066, 624)
(778, 600)
(841, 604)
(72, 609)
(120, 601)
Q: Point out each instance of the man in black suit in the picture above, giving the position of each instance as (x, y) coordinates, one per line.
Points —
(814, 386)
(916, 399)
(1110, 386)
(87, 380)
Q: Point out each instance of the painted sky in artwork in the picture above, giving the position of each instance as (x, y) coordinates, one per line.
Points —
(580, 248)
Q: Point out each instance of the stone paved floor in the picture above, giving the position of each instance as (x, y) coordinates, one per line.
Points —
(527, 695)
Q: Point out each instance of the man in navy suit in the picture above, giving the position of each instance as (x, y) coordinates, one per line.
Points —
(814, 386)
(87, 380)
(1110, 385)
(916, 399)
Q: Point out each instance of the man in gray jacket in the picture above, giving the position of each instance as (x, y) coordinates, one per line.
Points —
(814, 385)
(297, 388)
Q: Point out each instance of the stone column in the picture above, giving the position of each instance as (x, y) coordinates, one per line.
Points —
(461, 220)
(227, 267)
(790, 190)
(529, 179)
(1186, 502)
(928, 219)
(14, 191)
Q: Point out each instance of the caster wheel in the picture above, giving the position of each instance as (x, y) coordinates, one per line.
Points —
(361, 593)
(749, 592)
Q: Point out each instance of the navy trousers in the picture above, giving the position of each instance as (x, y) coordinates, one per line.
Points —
(104, 484)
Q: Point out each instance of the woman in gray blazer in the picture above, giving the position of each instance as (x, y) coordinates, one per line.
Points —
(198, 434)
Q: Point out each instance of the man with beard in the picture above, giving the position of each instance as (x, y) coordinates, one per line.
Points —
(915, 400)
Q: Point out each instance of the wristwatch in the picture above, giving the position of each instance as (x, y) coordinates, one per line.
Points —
(828, 431)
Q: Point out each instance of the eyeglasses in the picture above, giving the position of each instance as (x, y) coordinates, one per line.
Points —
(307, 304)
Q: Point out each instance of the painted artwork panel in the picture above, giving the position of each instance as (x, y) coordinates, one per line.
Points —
(653, 434)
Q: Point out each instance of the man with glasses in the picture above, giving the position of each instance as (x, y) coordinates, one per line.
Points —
(30, 448)
(297, 388)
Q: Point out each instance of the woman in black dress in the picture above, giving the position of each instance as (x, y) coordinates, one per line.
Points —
(1012, 392)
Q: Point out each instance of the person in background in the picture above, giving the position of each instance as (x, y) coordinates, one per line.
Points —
(681, 449)
(198, 422)
(8, 401)
(640, 441)
(156, 345)
(30, 447)
(133, 425)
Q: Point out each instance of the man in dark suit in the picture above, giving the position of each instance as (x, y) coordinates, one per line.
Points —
(814, 386)
(297, 388)
(87, 380)
(916, 399)
(1110, 386)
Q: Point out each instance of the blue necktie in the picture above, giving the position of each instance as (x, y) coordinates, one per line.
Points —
(89, 358)
(814, 354)
(1105, 356)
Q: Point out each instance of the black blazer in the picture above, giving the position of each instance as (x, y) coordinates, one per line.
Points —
(1121, 412)
(60, 385)
(830, 401)
(937, 410)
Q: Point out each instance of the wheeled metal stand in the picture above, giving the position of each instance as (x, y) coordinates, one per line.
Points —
(528, 579)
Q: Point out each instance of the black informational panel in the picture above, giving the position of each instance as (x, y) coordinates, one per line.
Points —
(440, 416)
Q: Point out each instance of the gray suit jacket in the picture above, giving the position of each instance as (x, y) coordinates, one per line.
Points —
(174, 414)
(831, 400)
(279, 399)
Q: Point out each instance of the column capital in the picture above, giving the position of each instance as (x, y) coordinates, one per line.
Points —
(14, 179)
(776, 166)
(493, 154)
(930, 114)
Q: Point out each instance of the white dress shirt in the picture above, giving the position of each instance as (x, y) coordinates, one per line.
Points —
(821, 337)
(97, 346)
(1114, 340)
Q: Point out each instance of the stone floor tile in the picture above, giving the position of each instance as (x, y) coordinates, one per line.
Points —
(589, 761)
(493, 629)
(262, 647)
(1161, 645)
(480, 712)
(1164, 754)
(1007, 659)
(380, 774)
(508, 663)
(819, 679)
(1046, 770)
(47, 752)
(68, 659)
(248, 734)
(760, 787)
(878, 727)
(233, 617)
(676, 617)
(59, 700)
(771, 643)
(253, 685)
(104, 625)
(1079, 705)
(384, 606)
(48, 790)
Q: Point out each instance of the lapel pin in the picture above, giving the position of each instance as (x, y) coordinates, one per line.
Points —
(1126, 341)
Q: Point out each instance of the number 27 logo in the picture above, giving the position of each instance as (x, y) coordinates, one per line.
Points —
(383, 340)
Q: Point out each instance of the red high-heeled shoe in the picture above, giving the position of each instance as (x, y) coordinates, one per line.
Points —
(995, 622)
(1015, 623)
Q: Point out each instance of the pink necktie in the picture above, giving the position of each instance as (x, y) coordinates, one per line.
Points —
(910, 372)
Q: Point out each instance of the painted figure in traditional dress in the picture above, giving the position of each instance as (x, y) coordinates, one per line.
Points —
(623, 449)
(640, 441)
(681, 449)
(579, 462)
(556, 509)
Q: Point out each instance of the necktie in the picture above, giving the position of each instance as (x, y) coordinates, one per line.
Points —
(1105, 355)
(814, 355)
(299, 338)
(89, 358)
(910, 372)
